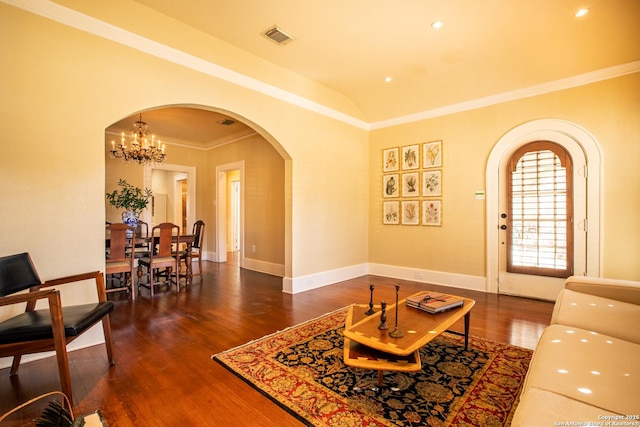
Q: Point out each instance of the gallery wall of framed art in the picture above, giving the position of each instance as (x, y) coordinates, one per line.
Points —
(412, 184)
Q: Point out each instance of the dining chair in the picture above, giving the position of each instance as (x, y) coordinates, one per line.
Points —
(161, 257)
(196, 247)
(120, 258)
(141, 245)
(51, 328)
(194, 250)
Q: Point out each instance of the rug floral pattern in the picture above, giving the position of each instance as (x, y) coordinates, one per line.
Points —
(302, 369)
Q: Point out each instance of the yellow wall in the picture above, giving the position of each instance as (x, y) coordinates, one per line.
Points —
(62, 88)
(610, 110)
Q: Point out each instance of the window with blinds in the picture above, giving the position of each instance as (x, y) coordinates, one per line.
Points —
(540, 200)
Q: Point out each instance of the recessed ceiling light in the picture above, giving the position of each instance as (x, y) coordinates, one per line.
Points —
(582, 12)
(388, 79)
(437, 25)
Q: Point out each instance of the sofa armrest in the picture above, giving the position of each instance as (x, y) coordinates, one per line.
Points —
(619, 290)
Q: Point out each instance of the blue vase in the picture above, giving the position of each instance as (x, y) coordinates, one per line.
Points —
(131, 219)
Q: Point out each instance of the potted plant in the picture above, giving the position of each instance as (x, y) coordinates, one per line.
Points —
(130, 198)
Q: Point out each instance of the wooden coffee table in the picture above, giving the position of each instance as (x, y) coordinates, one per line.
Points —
(361, 356)
(418, 327)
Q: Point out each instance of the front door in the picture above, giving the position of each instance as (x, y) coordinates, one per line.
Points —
(536, 220)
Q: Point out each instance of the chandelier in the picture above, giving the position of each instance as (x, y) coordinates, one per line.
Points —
(143, 147)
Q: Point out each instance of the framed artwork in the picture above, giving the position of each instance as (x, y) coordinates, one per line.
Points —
(391, 212)
(432, 183)
(432, 212)
(432, 154)
(390, 160)
(410, 157)
(410, 184)
(410, 212)
(390, 185)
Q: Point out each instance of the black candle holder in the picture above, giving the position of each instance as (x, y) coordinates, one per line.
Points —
(396, 333)
(383, 316)
(371, 310)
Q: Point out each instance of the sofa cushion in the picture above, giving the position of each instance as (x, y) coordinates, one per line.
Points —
(586, 367)
(606, 316)
(539, 407)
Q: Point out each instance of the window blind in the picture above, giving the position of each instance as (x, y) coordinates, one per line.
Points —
(539, 215)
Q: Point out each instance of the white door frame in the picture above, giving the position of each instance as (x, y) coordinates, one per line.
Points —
(551, 130)
(221, 210)
(177, 199)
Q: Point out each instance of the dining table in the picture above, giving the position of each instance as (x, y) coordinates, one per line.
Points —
(151, 241)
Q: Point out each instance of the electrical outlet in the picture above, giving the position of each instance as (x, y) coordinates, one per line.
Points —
(419, 276)
(253, 248)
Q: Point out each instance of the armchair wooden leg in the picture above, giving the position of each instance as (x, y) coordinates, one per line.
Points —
(63, 370)
(60, 343)
(106, 327)
(15, 365)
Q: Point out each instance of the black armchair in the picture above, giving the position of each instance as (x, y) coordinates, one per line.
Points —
(50, 329)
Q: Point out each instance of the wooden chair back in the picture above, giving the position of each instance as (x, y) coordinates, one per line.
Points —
(165, 233)
(198, 234)
(119, 246)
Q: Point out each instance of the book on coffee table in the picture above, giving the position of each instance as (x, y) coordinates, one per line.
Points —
(434, 302)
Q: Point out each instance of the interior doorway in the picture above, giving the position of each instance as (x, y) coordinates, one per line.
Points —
(174, 194)
(229, 202)
(233, 222)
(181, 201)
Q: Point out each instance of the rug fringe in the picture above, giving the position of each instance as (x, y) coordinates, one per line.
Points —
(213, 357)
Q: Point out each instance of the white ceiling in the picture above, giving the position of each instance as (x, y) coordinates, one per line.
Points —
(485, 47)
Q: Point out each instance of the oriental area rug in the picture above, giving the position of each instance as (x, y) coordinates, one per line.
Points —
(301, 369)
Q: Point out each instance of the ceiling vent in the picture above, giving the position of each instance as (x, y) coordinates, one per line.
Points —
(278, 35)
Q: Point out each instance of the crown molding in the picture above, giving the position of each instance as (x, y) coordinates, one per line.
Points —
(527, 92)
(72, 18)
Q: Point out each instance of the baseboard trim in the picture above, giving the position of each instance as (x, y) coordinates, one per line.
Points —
(454, 280)
(313, 281)
(264, 267)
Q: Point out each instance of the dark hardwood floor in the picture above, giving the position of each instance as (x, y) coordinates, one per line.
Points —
(164, 375)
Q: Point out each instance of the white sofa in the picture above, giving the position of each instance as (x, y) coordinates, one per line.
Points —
(586, 366)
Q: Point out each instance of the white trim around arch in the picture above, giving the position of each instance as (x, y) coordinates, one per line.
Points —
(573, 137)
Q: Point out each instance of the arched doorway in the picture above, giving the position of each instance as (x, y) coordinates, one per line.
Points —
(196, 159)
(586, 156)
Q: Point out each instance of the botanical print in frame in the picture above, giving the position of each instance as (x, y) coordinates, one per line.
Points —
(390, 160)
(391, 212)
(410, 212)
(432, 212)
(390, 185)
(410, 185)
(410, 157)
(432, 183)
(432, 154)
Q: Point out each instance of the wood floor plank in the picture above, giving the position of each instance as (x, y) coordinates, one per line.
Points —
(164, 375)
